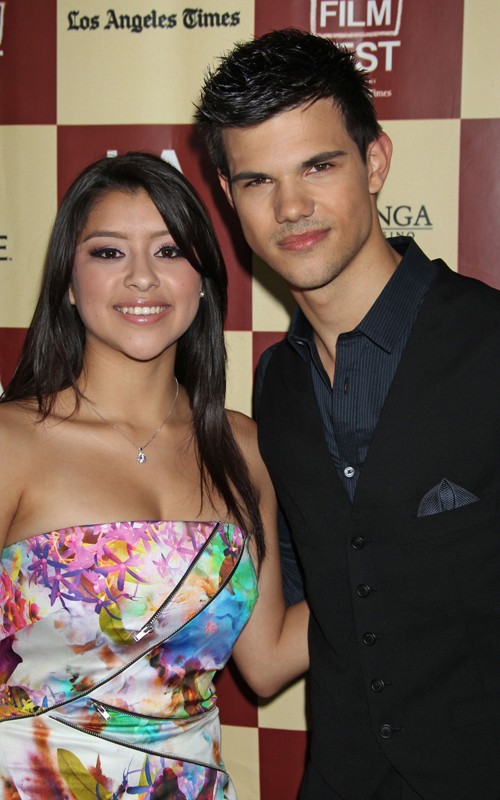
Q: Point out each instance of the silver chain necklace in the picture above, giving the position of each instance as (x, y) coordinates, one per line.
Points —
(141, 455)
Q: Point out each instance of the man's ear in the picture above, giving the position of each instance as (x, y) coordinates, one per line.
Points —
(226, 187)
(378, 162)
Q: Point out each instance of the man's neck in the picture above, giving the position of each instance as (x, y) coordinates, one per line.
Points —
(341, 305)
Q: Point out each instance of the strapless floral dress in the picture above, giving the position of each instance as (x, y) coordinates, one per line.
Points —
(110, 637)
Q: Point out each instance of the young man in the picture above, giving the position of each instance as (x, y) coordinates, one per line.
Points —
(379, 422)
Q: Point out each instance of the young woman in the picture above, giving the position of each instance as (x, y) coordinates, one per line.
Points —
(137, 520)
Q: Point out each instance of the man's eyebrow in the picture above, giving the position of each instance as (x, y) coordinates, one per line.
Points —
(319, 158)
(248, 176)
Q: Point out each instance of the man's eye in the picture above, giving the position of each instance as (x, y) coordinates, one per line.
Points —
(257, 182)
(106, 252)
(324, 167)
(169, 251)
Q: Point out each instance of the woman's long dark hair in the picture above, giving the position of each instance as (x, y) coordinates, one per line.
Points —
(52, 357)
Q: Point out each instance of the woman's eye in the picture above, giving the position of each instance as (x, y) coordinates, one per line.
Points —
(106, 252)
(169, 251)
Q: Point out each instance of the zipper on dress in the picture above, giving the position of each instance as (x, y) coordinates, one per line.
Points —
(105, 707)
(150, 626)
(99, 708)
(136, 747)
(140, 634)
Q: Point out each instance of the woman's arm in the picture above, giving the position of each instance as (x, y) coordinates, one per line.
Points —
(11, 467)
(272, 648)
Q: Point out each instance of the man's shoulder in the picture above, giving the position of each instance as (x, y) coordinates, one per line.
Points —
(470, 295)
(268, 354)
(449, 284)
(274, 358)
(270, 360)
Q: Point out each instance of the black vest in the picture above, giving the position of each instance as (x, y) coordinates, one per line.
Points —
(405, 628)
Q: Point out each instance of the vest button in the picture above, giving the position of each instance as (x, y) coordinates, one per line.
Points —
(386, 731)
(357, 543)
(377, 685)
(363, 590)
(369, 639)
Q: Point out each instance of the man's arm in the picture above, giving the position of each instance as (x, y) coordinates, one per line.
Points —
(291, 568)
(292, 575)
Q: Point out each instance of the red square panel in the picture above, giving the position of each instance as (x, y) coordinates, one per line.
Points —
(411, 50)
(28, 30)
(479, 203)
(11, 343)
(237, 703)
(281, 14)
(282, 759)
(79, 145)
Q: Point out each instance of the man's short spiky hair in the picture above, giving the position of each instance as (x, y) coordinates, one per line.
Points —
(279, 71)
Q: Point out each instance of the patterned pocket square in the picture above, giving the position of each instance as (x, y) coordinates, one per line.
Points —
(444, 497)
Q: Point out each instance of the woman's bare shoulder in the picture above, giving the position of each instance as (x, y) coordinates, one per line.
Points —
(21, 443)
(18, 439)
(241, 423)
(17, 413)
(17, 421)
(245, 433)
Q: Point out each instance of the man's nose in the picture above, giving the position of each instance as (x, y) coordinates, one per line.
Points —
(292, 202)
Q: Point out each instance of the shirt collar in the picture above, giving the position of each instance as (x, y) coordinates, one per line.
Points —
(394, 309)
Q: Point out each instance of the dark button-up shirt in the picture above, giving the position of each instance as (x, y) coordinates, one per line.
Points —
(365, 363)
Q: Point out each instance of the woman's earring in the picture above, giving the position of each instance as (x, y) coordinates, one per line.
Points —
(202, 293)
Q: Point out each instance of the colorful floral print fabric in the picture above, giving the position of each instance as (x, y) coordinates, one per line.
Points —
(110, 636)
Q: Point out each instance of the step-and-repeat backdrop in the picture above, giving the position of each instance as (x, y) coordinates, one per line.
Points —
(82, 78)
